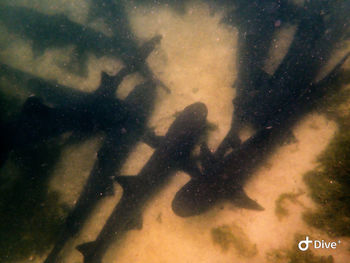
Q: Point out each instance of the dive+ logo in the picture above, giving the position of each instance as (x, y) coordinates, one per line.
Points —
(304, 244)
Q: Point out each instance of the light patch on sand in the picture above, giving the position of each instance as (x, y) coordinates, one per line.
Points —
(53, 64)
(93, 225)
(342, 49)
(196, 60)
(279, 47)
(76, 10)
(73, 169)
(287, 165)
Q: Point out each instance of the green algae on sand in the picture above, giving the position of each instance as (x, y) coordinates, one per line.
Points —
(329, 183)
(330, 186)
(280, 203)
(294, 255)
(227, 235)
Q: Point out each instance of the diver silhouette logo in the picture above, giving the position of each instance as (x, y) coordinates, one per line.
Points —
(304, 244)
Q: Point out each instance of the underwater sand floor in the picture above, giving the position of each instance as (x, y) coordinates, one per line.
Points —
(196, 60)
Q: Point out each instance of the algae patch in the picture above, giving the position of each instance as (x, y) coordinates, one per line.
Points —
(159, 218)
(232, 235)
(280, 204)
(329, 184)
(294, 255)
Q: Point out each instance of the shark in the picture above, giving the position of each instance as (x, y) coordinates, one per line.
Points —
(275, 106)
(260, 95)
(86, 113)
(116, 18)
(172, 153)
(56, 31)
(60, 106)
(258, 23)
(49, 91)
(118, 142)
(223, 178)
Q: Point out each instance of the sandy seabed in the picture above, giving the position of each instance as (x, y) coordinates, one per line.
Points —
(196, 60)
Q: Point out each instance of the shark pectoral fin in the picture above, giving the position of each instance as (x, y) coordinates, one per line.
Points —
(110, 83)
(106, 88)
(190, 167)
(109, 191)
(244, 201)
(290, 138)
(151, 139)
(33, 104)
(147, 48)
(86, 248)
(135, 223)
(206, 156)
(205, 152)
(129, 183)
(33, 107)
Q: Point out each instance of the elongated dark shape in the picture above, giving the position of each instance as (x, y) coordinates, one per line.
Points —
(223, 178)
(172, 154)
(47, 31)
(259, 101)
(118, 142)
(116, 18)
(84, 113)
(50, 91)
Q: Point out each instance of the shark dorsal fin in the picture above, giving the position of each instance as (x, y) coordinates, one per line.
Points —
(135, 223)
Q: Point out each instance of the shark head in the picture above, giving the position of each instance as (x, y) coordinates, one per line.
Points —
(214, 185)
(198, 196)
(186, 129)
(194, 198)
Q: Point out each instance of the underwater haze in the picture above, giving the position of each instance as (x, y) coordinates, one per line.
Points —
(174, 131)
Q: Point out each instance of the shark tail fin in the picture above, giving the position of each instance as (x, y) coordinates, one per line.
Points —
(241, 199)
(86, 249)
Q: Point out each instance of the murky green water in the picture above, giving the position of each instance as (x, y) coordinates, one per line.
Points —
(68, 132)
